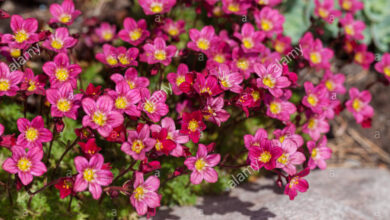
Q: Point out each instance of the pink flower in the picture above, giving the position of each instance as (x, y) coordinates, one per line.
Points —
(60, 71)
(326, 11)
(243, 62)
(134, 32)
(270, 21)
(279, 108)
(295, 183)
(358, 104)
(214, 112)
(158, 52)
(127, 57)
(384, 65)
(153, 105)
(138, 143)
(271, 78)
(125, 99)
(363, 56)
(106, 32)
(264, 156)
(131, 78)
(33, 133)
(101, 115)
(250, 39)
(318, 153)
(288, 133)
(109, 56)
(290, 156)
(270, 3)
(201, 40)
(282, 44)
(317, 55)
(26, 165)
(33, 84)
(64, 13)
(145, 193)
(63, 102)
(152, 7)
(316, 98)
(176, 79)
(228, 79)
(164, 144)
(60, 41)
(174, 28)
(92, 174)
(192, 125)
(24, 32)
(236, 7)
(219, 53)
(65, 186)
(9, 80)
(334, 82)
(315, 126)
(257, 140)
(353, 29)
(351, 5)
(202, 166)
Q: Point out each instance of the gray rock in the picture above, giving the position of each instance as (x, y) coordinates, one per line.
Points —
(336, 193)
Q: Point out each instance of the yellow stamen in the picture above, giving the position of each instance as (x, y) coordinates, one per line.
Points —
(4, 85)
(283, 159)
(156, 8)
(62, 74)
(312, 100)
(121, 103)
(99, 118)
(137, 146)
(180, 80)
(329, 85)
(123, 59)
(149, 106)
(21, 36)
(107, 35)
(314, 153)
(56, 44)
(243, 64)
(234, 7)
(24, 164)
(386, 70)
(269, 82)
(312, 123)
(63, 105)
(200, 164)
(136, 34)
(275, 108)
(31, 134)
(193, 125)
(265, 157)
(65, 18)
(315, 57)
(173, 31)
(89, 174)
(15, 52)
(111, 60)
(160, 55)
(32, 86)
(139, 193)
(323, 13)
(248, 43)
(357, 105)
(219, 58)
(266, 25)
(203, 44)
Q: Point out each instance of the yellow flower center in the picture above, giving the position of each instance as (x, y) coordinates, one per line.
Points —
(107, 35)
(225, 83)
(62, 74)
(262, 2)
(65, 18)
(56, 44)
(31, 134)
(15, 52)
(279, 47)
(349, 30)
(24, 164)
(357, 104)
(193, 125)
(149, 107)
(156, 8)
(99, 118)
(112, 60)
(293, 182)
(180, 80)
(32, 86)
(315, 57)
(139, 193)
(173, 31)
(248, 43)
(314, 153)
(312, 100)
(4, 85)
(312, 123)
(283, 159)
(200, 164)
(121, 103)
(347, 5)
(329, 85)
(234, 7)
(203, 44)
(243, 64)
(267, 81)
(136, 34)
(219, 58)
(281, 138)
(160, 55)
(89, 174)
(67, 184)
(265, 157)
(205, 90)
(63, 105)
(359, 57)
(266, 25)
(275, 108)
(255, 95)
(386, 70)
(323, 13)
(137, 146)
(21, 36)
(123, 59)
(159, 146)
(131, 84)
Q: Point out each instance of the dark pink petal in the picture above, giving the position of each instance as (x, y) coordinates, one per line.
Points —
(38, 169)
(81, 163)
(9, 165)
(152, 183)
(25, 178)
(196, 177)
(80, 184)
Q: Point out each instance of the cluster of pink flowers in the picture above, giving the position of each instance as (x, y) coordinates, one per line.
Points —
(242, 78)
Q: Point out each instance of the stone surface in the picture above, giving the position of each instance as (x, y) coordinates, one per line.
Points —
(336, 193)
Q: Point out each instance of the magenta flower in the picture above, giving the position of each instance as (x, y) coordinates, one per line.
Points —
(228, 80)
(192, 125)
(288, 133)
(145, 193)
(264, 156)
(280, 108)
(60, 71)
(24, 32)
(363, 56)
(316, 98)
(237, 7)
(384, 65)
(176, 79)
(106, 32)
(250, 39)
(358, 104)
(202, 166)
(92, 174)
(270, 21)
(174, 28)
(351, 5)
(214, 112)
(243, 62)
(282, 44)
(271, 78)
(26, 165)
(315, 126)
(60, 41)
(290, 156)
(131, 78)
(63, 102)
(32, 84)
(219, 53)
(317, 55)
(33, 133)
(352, 29)
(295, 183)
(109, 55)
(207, 86)
(257, 140)
(326, 11)
(201, 40)
(134, 32)
(9, 80)
(126, 99)
(101, 115)
(64, 13)
(158, 52)
(152, 7)
(153, 105)
(138, 143)
(334, 82)
(127, 57)
(318, 153)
